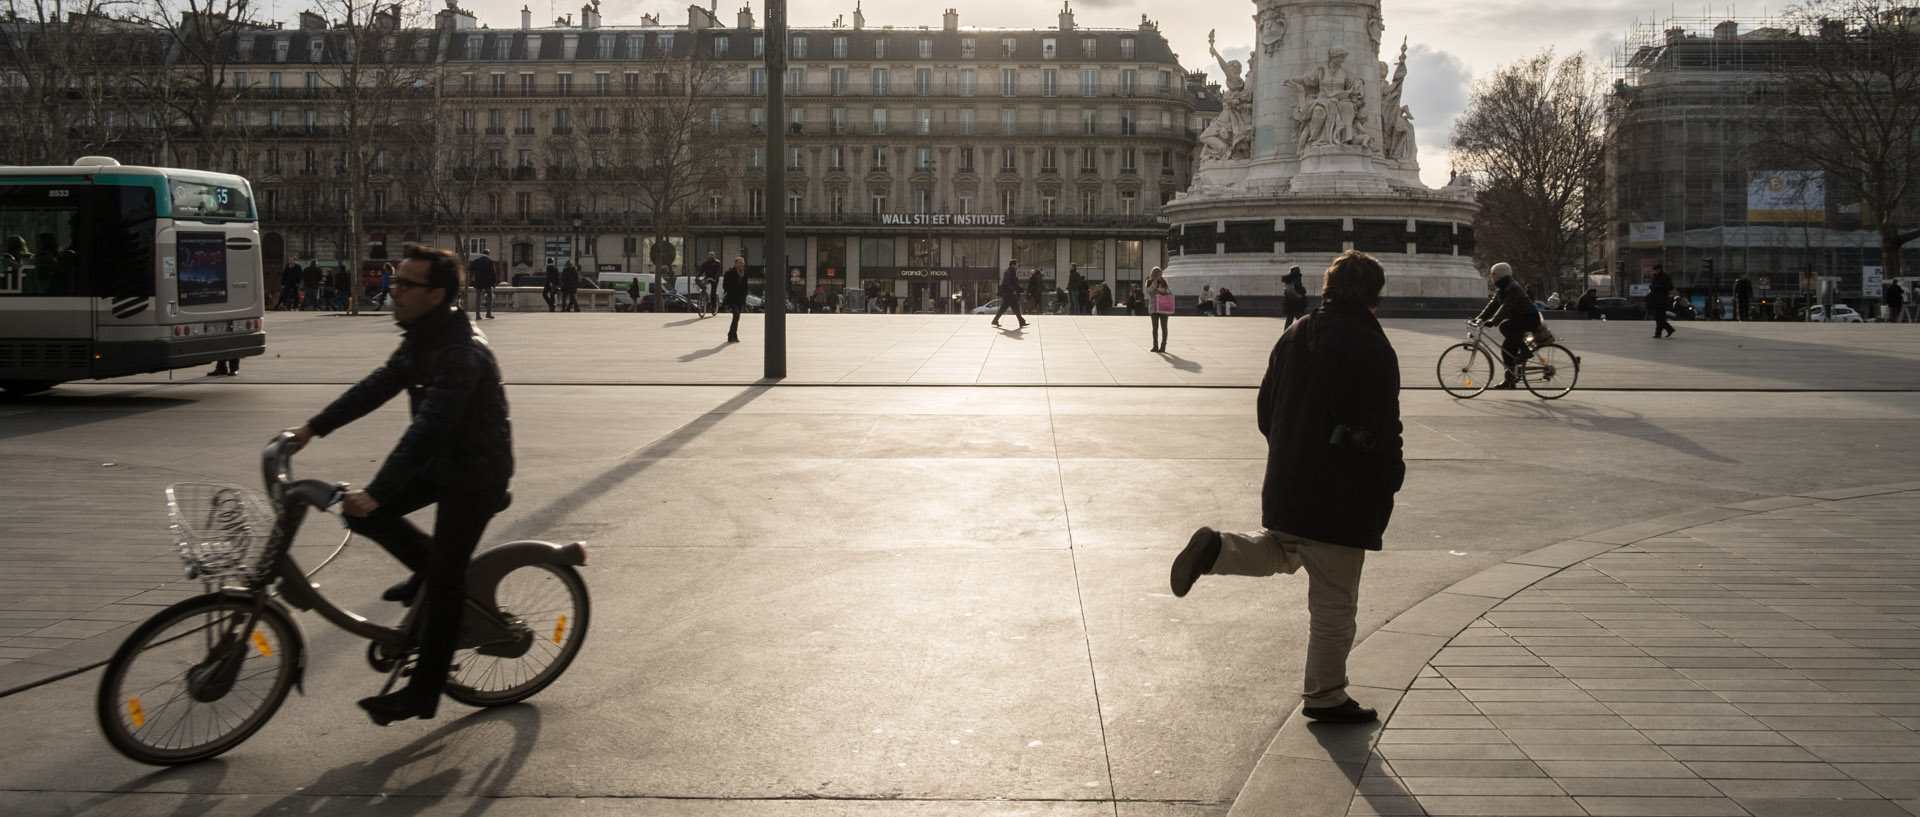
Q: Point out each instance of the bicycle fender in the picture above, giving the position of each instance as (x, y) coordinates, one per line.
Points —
(299, 632)
(489, 567)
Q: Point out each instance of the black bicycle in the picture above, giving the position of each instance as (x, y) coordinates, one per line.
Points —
(203, 675)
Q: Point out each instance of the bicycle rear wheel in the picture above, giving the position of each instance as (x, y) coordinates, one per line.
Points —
(549, 610)
(197, 679)
(1465, 370)
(1550, 371)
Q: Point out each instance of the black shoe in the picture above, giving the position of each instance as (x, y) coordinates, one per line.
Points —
(399, 706)
(1669, 333)
(1348, 711)
(403, 592)
(1506, 384)
(1201, 552)
(1023, 325)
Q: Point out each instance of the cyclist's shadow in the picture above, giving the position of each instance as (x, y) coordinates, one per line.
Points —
(474, 757)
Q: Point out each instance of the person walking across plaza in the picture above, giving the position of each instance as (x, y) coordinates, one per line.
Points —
(1159, 298)
(1037, 293)
(290, 287)
(484, 280)
(1590, 304)
(1077, 290)
(710, 281)
(1659, 300)
(1895, 298)
(734, 285)
(570, 287)
(456, 454)
(1330, 409)
(550, 286)
(1742, 297)
(310, 280)
(1010, 293)
(1293, 296)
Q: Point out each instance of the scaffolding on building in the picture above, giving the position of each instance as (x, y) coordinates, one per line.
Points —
(1689, 100)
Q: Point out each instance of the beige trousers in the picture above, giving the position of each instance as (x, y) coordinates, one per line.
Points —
(1333, 598)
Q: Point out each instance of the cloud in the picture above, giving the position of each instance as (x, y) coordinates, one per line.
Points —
(1438, 84)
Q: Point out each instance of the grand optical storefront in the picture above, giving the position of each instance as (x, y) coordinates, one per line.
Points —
(923, 258)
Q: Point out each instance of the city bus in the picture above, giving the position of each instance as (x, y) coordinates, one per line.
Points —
(109, 270)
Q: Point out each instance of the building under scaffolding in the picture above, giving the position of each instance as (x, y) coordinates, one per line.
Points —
(1690, 189)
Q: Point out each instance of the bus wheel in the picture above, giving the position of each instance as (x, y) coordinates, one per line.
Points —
(22, 388)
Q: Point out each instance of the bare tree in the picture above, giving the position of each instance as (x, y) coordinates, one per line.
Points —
(1849, 87)
(441, 171)
(66, 89)
(1533, 139)
(667, 153)
(203, 39)
(379, 73)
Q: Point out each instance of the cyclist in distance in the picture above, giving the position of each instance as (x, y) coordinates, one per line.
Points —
(1513, 311)
(456, 454)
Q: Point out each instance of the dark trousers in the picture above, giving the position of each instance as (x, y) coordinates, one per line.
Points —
(547, 293)
(459, 519)
(1657, 307)
(733, 329)
(483, 300)
(1514, 348)
(1740, 306)
(1159, 320)
(572, 301)
(1010, 302)
(289, 298)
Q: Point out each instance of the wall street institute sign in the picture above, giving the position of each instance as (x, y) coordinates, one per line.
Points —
(943, 219)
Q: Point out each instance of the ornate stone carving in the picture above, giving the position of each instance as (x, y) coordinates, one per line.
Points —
(1230, 137)
(1332, 104)
(1375, 26)
(1272, 25)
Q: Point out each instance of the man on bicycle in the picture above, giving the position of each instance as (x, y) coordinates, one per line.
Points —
(709, 281)
(1513, 311)
(456, 454)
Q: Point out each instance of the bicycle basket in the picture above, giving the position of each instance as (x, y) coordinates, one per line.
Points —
(222, 530)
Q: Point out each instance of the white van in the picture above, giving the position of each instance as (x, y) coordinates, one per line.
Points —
(622, 284)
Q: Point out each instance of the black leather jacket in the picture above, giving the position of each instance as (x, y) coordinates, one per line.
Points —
(460, 436)
(1509, 302)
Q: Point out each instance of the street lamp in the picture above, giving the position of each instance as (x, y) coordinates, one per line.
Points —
(576, 239)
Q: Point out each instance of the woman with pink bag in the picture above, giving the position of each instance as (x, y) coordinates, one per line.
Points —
(1159, 305)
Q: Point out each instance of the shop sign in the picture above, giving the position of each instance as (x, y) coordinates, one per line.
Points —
(943, 219)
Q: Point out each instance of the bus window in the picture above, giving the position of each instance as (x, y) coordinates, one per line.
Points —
(39, 253)
(209, 201)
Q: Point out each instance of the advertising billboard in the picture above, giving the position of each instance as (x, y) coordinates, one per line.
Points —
(1786, 196)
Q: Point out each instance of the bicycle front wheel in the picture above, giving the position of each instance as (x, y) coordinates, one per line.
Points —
(198, 679)
(1465, 369)
(1551, 371)
(547, 610)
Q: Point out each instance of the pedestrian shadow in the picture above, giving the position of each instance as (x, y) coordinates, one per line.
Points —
(700, 353)
(546, 517)
(685, 321)
(1182, 363)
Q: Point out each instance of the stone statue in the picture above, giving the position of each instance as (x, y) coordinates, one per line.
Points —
(1272, 23)
(1230, 137)
(1395, 122)
(1400, 145)
(1332, 103)
(1375, 26)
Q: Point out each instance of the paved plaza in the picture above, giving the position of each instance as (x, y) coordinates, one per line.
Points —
(926, 575)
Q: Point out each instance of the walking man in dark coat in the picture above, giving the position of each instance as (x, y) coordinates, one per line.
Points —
(1330, 410)
(310, 279)
(570, 288)
(1010, 293)
(290, 287)
(484, 280)
(1742, 297)
(550, 288)
(1659, 300)
(734, 285)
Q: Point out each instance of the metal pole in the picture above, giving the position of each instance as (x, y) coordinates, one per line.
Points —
(771, 200)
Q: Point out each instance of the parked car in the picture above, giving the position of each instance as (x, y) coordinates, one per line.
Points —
(1620, 309)
(987, 308)
(1841, 314)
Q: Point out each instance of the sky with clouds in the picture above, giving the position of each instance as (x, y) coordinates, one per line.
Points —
(1449, 42)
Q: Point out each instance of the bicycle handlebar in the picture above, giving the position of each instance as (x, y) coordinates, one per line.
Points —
(276, 465)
